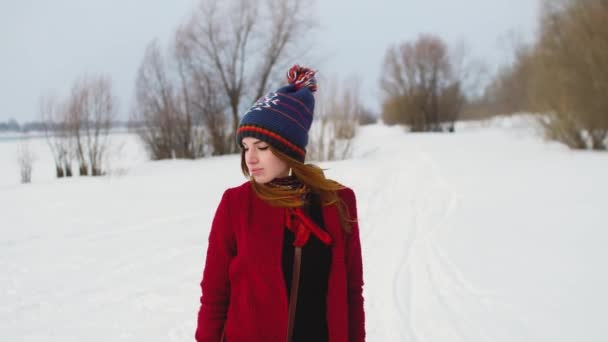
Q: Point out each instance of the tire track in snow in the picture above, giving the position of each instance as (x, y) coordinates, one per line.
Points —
(383, 242)
(421, 208)
(432, 296)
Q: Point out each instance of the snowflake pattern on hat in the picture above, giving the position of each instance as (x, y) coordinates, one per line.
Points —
(266, 101)
(283, 118)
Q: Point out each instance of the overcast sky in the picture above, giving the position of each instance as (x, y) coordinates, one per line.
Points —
(46, 45)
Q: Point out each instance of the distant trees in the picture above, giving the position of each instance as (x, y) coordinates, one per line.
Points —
(53, 115)
(25, 158)
(164, 109)
(562, 75)
(10, 126)
(423, 84)
(78, 126)
(509, 90)
(338, 112)
(90, 110)
(570, 79)
(221, 59)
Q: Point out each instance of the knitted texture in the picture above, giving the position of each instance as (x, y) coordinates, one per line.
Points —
(283, 118)
(243, 289)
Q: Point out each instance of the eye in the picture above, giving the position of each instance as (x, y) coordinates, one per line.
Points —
(264, 148)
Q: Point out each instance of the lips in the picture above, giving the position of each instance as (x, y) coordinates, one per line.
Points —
(256, 171)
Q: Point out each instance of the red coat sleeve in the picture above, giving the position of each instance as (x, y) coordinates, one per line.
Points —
(354, 269)
(215, 283)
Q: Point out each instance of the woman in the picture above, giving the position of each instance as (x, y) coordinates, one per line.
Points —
(284, 256)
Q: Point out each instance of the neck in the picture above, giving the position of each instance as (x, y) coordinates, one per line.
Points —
(287, 181)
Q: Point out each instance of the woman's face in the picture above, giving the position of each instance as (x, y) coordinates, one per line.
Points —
(263, 165)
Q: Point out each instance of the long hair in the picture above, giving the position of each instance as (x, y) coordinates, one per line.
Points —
(312, 176)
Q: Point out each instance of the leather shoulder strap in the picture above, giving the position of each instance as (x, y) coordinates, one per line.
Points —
(293, 296)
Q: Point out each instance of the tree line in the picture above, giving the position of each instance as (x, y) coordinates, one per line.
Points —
(561, 77)
(188, 95)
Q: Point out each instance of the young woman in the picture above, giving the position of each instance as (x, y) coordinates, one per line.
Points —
(284, 255)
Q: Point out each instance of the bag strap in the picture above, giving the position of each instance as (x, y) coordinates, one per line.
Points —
(293, 296)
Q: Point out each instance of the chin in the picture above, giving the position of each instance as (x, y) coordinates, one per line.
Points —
(261, 180)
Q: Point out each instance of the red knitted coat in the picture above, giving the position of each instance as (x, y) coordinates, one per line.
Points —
(244, 298)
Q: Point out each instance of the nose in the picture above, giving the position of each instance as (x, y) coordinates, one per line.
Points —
(251, 157)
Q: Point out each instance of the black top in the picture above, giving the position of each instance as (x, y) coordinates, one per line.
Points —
(310, 319)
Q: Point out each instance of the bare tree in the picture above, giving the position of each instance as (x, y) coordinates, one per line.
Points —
(53, 116)
(210, 108)
(90, 111)
(423, 84)
(202, 96)
(164, 106)
(243, 42)
(74, 121)
(25, 158)
(337, 113)
(103, 112)
(155, 109)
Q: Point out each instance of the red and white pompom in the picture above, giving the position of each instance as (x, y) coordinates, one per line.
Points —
(302, 77)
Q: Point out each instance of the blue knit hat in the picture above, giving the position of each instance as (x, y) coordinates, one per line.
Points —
(282, 118)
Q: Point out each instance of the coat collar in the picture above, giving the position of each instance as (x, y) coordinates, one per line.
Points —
(269, 216)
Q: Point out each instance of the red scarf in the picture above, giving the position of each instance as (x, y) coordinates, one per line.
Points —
(302, 226)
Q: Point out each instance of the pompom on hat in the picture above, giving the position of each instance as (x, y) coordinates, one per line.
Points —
(282, 118)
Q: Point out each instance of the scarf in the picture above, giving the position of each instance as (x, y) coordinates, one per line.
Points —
(296, 219)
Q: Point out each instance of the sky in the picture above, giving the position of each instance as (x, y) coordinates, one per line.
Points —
(46, 45)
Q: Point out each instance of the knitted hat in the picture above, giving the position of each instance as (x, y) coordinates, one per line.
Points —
(283, 118)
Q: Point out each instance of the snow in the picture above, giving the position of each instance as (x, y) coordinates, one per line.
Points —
(487, 234)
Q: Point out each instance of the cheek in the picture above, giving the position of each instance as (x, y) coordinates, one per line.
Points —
(278, 164)
(270, 160)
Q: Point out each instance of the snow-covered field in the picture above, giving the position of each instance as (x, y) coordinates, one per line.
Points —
(488, 234)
